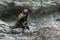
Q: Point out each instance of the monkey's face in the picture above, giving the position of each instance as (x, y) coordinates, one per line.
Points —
(25, 11)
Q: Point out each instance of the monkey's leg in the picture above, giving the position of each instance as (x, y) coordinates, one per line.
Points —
(18, 25)
(26, 26)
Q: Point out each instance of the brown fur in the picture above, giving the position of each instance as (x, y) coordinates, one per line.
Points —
(21, 21)
(20, 17)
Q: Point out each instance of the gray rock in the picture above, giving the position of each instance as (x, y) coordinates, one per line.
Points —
(48, 33)
(16, 31)
(9, 38)
(24, 38)
(4, 36)
(4, 27)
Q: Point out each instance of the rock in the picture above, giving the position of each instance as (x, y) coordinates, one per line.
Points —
(48, 33)
(4, 27)
(24, 38)
(3, 3)
(4, 36)
(2, 23)
(9, 38)
(16, 30)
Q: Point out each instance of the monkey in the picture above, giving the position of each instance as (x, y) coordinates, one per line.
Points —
(21, 21)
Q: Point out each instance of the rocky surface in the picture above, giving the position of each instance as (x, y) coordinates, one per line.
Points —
(4, 27)
(47, 33)
(51, 31)
(44, 22)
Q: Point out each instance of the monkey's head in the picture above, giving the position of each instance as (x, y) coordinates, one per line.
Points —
(27, 8)
(25, 11)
